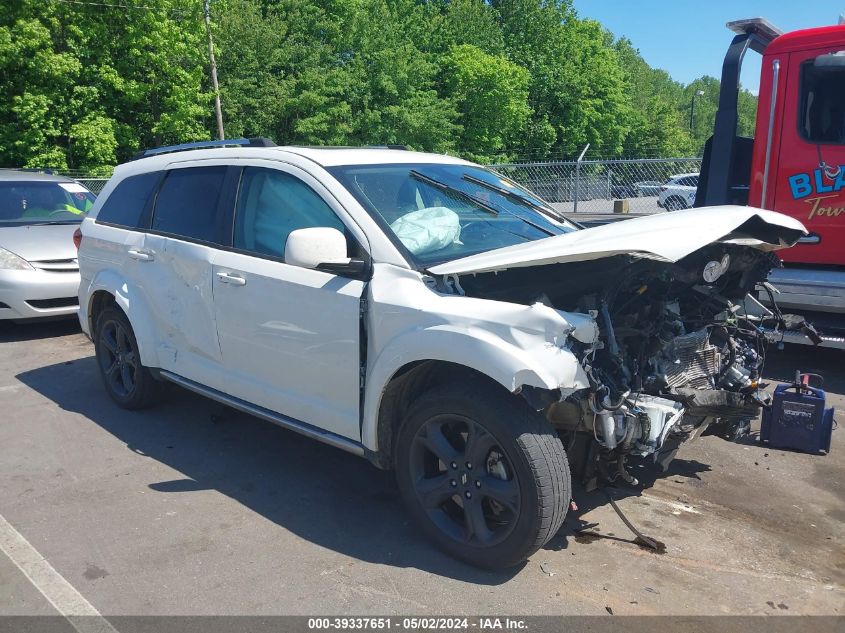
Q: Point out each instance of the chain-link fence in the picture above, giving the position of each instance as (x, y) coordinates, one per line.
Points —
(587, 186)
(94, 185)
(591, 186)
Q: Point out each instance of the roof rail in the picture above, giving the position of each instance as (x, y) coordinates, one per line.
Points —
(35, 170)
(236, 142)
(399, 147)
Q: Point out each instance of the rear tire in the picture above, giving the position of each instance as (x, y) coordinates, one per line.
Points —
(127, 381)
(675, 204)
(484, 476)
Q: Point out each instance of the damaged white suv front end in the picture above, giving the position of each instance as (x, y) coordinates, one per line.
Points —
(680, 343)
(627, 339)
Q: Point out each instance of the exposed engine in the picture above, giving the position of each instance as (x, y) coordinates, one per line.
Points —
(677, 350)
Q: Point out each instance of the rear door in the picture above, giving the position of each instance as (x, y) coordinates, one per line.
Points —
(289, 336)
(115, 241)
(186, 228)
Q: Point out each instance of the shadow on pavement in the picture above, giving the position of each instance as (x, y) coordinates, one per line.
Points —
(781, 365)
(333, 499)
(33, 330)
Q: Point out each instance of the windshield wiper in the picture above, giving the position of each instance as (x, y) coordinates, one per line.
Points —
(453, 190)
(463, 194)
(519, 199)
(49, 222)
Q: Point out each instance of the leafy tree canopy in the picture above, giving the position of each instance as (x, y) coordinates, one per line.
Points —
(85, 85)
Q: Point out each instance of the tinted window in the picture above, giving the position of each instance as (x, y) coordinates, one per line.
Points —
(34, 202)
(127, 202)
(187, 203)
(822, 107)
(271, 204)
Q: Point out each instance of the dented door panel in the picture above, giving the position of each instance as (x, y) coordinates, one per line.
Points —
(289, 339)
(184, 309)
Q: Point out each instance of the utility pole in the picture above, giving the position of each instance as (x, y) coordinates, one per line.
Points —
(217, 110)
(697, 93)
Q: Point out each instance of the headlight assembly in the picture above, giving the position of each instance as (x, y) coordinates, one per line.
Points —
(10, 261)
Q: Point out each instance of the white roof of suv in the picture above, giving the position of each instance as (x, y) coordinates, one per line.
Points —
(323, 156)
(331, 156)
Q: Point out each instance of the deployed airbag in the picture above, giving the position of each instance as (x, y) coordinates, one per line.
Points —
(428, 229)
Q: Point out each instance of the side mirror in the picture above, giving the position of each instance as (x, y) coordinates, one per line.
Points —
(322, 248)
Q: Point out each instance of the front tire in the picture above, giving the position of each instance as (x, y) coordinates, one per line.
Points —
(127, 381)
(484, 476)
(675, 204)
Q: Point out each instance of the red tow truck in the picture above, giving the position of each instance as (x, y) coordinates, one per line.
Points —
(795, 164)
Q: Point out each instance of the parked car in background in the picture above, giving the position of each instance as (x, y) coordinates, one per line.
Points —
(678, 192)
(623, 191)
(39, 274)
(647, 188)
(636, 189)
(428, 314)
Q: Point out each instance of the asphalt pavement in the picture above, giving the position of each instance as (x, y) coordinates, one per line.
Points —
(190, 508)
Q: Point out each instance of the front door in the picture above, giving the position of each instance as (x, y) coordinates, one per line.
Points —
(810, 176)
(289, 336)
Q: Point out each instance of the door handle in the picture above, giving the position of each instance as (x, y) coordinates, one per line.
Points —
(141, 255)
(229, 278)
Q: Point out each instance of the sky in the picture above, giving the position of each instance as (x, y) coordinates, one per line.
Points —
(689, 39)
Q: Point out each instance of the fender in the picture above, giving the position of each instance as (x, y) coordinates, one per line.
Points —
(132, 301)
(543, 365)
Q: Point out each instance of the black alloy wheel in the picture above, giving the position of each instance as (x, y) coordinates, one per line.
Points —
(464, 480)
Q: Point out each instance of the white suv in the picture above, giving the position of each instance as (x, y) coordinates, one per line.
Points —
(678, 192)
(428, 314)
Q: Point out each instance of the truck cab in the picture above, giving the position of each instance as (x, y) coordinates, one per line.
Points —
(795, 164)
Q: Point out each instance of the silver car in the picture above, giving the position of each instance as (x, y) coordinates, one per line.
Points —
(39, 273)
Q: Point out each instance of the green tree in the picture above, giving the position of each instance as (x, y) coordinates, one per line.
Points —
(577, 89)
(491, 93)
(657, 127)
(706, 106)
(86, 86)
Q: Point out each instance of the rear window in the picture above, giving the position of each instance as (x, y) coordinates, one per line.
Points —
(187, 203)
(126, 204)
(43, 202)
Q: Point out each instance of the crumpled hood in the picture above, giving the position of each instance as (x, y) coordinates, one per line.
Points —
(663, 236)
(37, 243)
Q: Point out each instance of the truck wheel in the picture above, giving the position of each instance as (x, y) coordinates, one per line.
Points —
(675, 204)
(484, 476)
(127, 381)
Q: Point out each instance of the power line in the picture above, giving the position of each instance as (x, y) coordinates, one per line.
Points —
(114, 6)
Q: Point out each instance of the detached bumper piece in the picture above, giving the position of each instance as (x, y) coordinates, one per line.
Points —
(798, 419)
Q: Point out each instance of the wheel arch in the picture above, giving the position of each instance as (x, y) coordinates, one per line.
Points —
(423, 359)
(110, 288)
